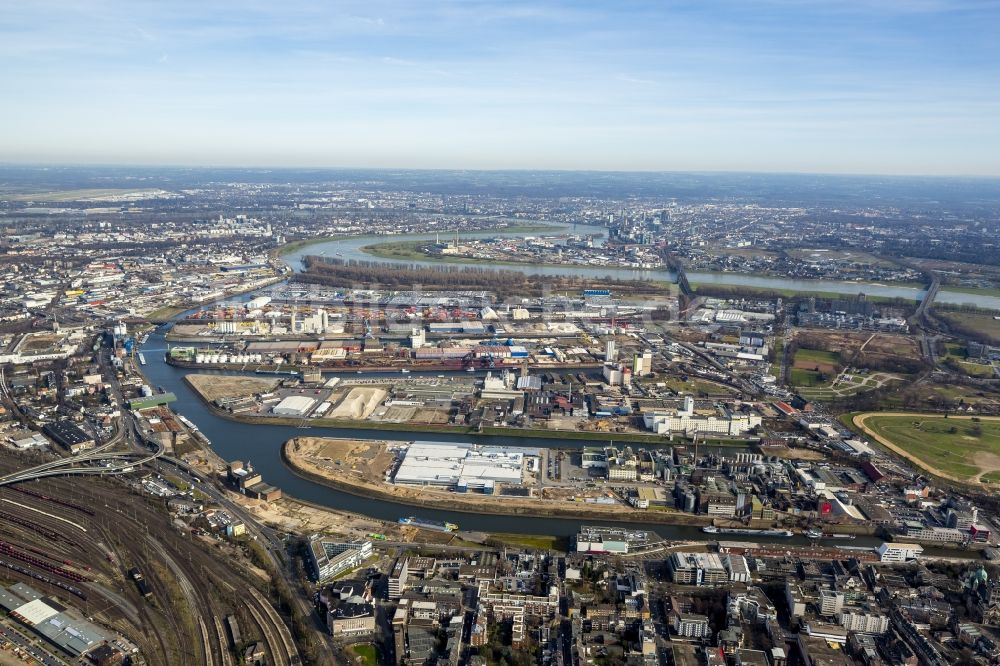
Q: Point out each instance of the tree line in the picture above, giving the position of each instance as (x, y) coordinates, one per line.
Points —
(504, 283)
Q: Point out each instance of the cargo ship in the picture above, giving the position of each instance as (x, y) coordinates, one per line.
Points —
(439, 525)
(745, 531)
(814, 533)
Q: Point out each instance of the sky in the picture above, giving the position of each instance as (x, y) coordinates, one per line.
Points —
(828, 86)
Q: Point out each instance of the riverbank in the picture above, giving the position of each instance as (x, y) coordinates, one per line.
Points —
(170, 312)
(294, 246)
(412, 251)
(295, 454)
(342, 367)
(712, 289)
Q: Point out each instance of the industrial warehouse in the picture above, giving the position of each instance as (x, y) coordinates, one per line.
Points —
(464, 466)
(55, 623)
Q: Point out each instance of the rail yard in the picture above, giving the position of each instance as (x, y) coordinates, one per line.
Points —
(79, 542)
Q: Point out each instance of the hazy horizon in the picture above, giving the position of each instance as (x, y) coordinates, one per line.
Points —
(879, 87)
(459, 169)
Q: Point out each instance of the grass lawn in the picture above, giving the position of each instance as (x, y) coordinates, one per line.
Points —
(166, 312)
(976, 369)
(981, 291)
(980, 322)
(792, 293)
(807, 357)
(366, 653)
(973, 447)
(537, 542)
(807, 378)
(955, 350)
(813, 367)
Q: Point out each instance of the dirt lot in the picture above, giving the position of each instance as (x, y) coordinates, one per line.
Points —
(878, 351)
(410, 414)
(213, 387)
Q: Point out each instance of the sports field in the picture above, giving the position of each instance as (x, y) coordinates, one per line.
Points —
(955, 448)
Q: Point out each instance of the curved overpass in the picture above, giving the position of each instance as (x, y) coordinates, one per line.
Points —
(126, 462)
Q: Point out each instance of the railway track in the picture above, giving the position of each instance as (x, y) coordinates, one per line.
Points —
(286, 635)
(209, 658)
(227, 658)
(194, 599)
(278, 655)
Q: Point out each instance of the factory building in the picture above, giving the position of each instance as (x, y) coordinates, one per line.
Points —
(53, 622)
(642, 364)
(686, 421)
(445, 464)
(70, 436)
(294, 405)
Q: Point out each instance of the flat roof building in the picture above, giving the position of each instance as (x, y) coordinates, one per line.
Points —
(69, 435)
(697, 569)
(294, 405)
(446, 464)
(899, 552)
(52, 621)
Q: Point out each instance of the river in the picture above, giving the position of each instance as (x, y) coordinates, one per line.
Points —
(261, 443)
(352, 248)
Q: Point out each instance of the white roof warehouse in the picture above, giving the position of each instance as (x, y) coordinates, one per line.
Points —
(445, 464)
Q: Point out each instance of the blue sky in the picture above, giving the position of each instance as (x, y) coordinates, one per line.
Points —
(858, 86)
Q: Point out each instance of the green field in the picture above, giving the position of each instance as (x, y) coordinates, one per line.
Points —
(857, 256)
(962, 448)
(75, 195)
(807, 378)
(981, 324)
(366, 654)
(165, 313)
(979, 291)
(706, 287)
(539, 542)
(816, 356)
(976, 369)
(814, 368)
